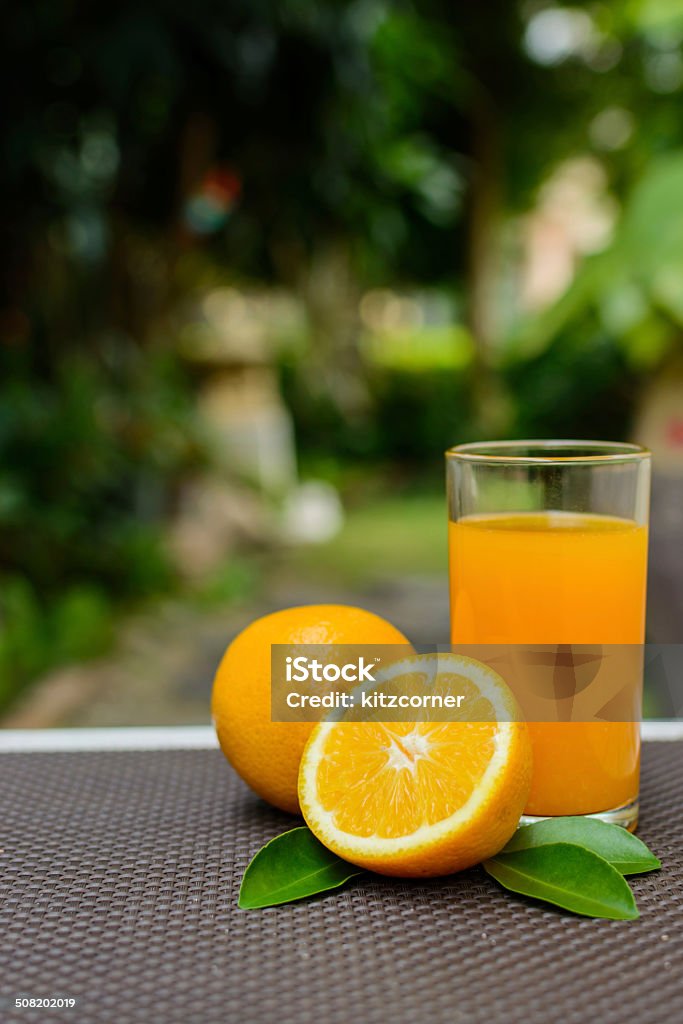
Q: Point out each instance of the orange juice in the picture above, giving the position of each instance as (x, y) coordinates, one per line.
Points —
(557, 578)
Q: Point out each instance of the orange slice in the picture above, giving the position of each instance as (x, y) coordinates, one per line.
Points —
(421, 798)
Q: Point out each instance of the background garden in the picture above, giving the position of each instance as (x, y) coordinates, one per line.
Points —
(263, 261)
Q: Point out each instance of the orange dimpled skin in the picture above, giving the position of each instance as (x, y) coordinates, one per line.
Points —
(557, 578)
(264, 753)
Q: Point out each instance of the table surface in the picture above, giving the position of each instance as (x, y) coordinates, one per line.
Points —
(119, 874)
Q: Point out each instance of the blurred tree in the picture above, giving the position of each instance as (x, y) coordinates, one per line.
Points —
(399, 134)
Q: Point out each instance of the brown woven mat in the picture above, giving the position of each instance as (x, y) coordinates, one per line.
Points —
(118, 884)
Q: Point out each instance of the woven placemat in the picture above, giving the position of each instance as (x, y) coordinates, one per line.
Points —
(119, 876)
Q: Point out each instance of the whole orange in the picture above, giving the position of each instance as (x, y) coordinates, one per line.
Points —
(264, 753)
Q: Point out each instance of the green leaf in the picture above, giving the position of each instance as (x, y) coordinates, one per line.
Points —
(290, 867)
(628, 854)
(568, 876)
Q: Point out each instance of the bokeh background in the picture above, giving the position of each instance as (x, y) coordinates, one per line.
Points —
(263, 261)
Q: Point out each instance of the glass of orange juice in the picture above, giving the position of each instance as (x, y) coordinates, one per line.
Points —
(548, 546)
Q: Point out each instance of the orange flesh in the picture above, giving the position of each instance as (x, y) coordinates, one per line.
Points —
(422, 773)
(557, 578)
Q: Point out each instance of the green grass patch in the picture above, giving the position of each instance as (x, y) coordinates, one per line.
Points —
(391, 536)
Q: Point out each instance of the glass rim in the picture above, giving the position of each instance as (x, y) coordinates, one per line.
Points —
(531, 452)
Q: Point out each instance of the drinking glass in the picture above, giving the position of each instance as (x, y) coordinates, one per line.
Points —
(548, 546)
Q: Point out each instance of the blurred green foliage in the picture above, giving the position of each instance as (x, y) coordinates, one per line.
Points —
(87, 457)
(150, 151)
(36, 636)
(84, 459)
(631, 291)
(410, 415)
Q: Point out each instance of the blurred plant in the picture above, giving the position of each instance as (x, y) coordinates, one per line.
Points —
(579, 364)
(36, 636)
(631, 290)
(236, 580)
(87, 458)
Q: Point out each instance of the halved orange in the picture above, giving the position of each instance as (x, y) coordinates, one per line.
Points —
(421, 798)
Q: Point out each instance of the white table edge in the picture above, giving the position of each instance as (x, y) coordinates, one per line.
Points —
(185, 737)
